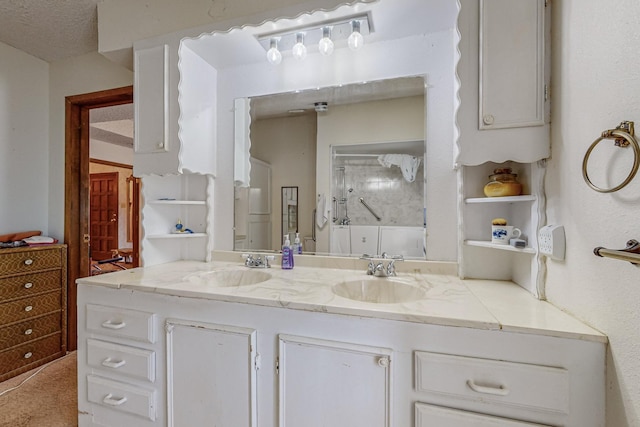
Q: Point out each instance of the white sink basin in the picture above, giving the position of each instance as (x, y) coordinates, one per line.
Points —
(381, 291)
(236, 277)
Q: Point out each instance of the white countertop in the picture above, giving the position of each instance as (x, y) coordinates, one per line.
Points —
(480, 304)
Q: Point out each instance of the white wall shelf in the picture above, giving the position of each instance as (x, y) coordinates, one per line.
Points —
(177, 236)
(507, 199)
(485, 244)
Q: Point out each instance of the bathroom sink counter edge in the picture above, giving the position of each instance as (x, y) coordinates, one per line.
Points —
(450, 301)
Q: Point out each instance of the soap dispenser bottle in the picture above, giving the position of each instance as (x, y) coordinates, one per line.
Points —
(287, 254)
(297, 247)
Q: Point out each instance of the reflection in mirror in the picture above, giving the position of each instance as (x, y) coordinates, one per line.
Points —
(289, 206)
(360, 158)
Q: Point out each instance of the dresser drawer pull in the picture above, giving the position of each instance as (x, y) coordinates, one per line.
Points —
(109, 325)
(28, 285)
(111, 364)
(28, 332)
(28, 261)
(28, 355)
(496, 391)
(28, 308)
(113, 401)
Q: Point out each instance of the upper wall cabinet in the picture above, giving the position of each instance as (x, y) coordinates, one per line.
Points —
(504, 72)
(174, 117)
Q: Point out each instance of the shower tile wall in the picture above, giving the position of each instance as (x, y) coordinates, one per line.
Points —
(391, 197)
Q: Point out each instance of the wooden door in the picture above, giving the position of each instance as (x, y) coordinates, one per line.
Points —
(103, 214)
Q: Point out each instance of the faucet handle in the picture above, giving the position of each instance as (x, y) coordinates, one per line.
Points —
(268, 258)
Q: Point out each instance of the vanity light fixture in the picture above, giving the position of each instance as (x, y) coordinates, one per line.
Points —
(299, 50)
(273, 54)
(325, 46)
(355, 40)
(326, 35)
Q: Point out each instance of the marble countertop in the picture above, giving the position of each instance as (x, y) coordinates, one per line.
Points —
(450, 301)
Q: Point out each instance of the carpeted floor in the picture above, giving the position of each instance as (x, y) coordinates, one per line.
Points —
(48, 399)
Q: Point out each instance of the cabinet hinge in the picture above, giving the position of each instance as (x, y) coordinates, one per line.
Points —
(277, 365)
(546, 92)
(546, 3)
(257, 361)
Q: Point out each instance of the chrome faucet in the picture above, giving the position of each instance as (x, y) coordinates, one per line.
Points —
(376, 267)
(256, 261)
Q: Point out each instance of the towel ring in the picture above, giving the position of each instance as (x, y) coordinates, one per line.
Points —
(623, 136)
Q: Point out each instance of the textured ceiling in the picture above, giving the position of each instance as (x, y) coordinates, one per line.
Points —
(50, 29)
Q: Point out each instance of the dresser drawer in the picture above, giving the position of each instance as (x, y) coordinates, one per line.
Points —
(122, 359)
(28, 284)
(25, 308)
(519, 385)
(120, 322)
(30, 352)
(122, 397)
(30, 329)
(30, 260)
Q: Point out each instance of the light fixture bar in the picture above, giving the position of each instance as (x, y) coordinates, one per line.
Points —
(341, 29)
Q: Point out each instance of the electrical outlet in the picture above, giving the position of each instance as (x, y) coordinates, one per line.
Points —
(551, 241)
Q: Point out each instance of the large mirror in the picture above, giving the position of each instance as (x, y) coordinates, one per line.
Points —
(355, 155)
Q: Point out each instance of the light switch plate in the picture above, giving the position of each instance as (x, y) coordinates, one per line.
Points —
(551, 241)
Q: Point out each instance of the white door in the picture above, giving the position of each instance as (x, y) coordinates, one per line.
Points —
(438, 416)
(331, 384)
(211, 378)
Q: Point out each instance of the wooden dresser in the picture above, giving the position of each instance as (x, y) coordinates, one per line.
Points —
(33, 307)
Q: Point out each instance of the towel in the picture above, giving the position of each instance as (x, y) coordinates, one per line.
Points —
(321, 211)
(408, 164)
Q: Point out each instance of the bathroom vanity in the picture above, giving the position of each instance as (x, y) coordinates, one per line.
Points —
(193, 343)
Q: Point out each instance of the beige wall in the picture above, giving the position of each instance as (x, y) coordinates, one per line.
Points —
(289, 145)
(596, 85)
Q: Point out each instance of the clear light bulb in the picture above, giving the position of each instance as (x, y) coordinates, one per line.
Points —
(273, 54)
(355, 40)
(299, 50)
(326, 45)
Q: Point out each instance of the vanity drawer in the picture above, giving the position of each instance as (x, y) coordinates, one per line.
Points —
(503, 383)
(30, 352)
(26, 261)
(28, 330)
(122, 359)
(29, 307)
(430, 415)
(122, 397)
(29, 284)
(120, 322)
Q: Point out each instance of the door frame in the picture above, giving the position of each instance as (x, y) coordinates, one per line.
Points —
(76, 190)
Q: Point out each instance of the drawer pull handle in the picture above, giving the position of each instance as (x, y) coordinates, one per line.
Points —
(28, 332)
(28, 261)
(111, 364)
(28, 285)
(109, 325)
(28, 355)
(496, 391)
(28, 308)
(113, 401)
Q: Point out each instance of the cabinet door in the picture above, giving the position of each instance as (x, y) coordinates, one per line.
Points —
(210, 375)
(511, 63)
(328, 383)
(151, 99)
(438, 416)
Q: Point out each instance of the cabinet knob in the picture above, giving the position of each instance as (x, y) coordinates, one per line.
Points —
(488, 119)
(28, 285)
(28, 355)
(28, 332)
(383, 362)
(28, 308)
(28, 261)
(160, 144)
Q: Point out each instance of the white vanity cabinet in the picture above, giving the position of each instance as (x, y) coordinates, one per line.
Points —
(504, 78)
(249, 365)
